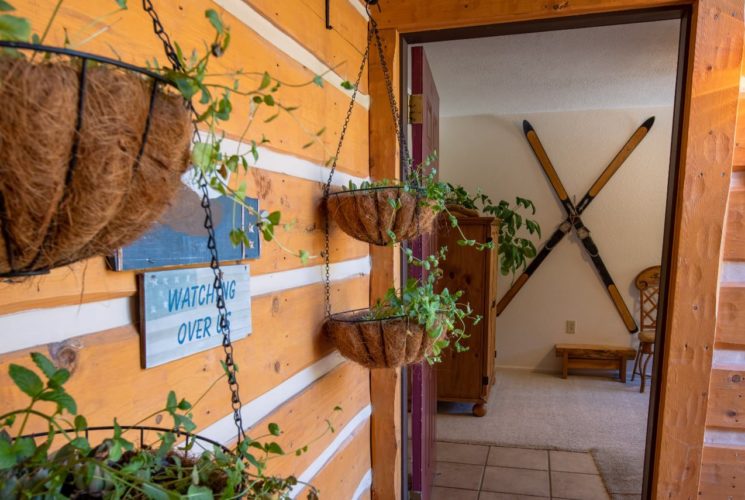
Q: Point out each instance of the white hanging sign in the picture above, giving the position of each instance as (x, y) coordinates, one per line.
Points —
(178, 313)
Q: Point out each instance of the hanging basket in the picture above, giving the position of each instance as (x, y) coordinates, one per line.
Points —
(186, 453)
(91, 152)
(378, 343)
(369, 215)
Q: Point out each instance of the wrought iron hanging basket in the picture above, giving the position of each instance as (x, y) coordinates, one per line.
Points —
(378, 343)
(91, 152)
(191, 440)
(381, 215)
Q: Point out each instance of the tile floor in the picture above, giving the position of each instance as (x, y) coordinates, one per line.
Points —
(476, 472)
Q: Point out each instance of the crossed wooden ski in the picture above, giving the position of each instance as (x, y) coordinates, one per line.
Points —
(573, 219)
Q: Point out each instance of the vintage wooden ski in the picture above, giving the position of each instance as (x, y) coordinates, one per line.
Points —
(574, 221)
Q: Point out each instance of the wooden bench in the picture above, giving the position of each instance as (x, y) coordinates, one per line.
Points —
(598, 357)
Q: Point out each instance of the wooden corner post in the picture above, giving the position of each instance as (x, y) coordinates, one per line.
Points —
(385, 384)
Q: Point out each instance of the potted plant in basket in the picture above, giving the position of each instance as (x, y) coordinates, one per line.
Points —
(94, 148)
(407, 325)
(388, 211)
(72, 460)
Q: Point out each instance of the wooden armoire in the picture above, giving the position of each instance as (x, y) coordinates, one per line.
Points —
(467, 377)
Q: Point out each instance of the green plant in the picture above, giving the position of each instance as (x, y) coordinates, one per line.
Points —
(114, 467)
(514, 250)
(439, 313)
(212, 96)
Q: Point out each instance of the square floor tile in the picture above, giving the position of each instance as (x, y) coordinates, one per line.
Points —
(520, 458)
(567, 461)
(465, 476)
(577, 486)
(490, 495)
(440, 493)
(520, 481)
(461, 453)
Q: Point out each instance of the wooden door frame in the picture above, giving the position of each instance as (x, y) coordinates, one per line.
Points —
(698, 191)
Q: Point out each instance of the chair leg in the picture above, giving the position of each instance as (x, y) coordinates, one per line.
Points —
(644, 370)
(637, 361)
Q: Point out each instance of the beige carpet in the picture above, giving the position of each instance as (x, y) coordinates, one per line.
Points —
(581, 413)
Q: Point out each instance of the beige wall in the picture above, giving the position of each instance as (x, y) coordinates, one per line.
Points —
(626, 219)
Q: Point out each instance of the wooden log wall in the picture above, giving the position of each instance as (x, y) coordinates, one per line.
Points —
(84, 316)
(723, 462)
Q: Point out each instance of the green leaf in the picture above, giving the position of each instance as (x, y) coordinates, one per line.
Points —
(215, 20)
(304, 256)
(26, 380)
(266, 80)
(274, 217)
(185, 84)
(64, 400)
(171, 402)
(274, 448)
(274, 429)
(272, 118)
(23, 448)
(5, 6)
(346, 84)
(81, 443)
(155, 492)
(59, 377)
(183, 421)
(318, 80)
(202, 154)
(46, 366)
(122, 4)
(14, 28)
(269, 100)
(7, 456)
(199, 492)
(80, 423)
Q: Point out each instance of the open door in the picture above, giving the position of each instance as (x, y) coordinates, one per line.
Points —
(424, 105)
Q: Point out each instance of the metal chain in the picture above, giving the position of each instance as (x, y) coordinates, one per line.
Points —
(327, 187)
(400, 136)
(392, 99)
(222, 311)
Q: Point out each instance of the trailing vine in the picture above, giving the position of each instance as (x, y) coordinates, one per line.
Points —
(515, 250)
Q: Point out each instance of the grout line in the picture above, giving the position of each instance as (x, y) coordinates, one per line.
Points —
(550, 482)
(582, 473)
(481, 481)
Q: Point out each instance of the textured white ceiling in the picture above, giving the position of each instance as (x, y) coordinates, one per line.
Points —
(622, 66)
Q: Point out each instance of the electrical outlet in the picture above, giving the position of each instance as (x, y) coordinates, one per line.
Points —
(570, 326)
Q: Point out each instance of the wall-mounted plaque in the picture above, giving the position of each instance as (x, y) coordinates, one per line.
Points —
(178, 315)
(179, 237)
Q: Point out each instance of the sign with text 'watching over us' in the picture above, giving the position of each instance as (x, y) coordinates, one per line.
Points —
(178, 312)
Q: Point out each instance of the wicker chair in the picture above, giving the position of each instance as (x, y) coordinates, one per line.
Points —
(648, 284)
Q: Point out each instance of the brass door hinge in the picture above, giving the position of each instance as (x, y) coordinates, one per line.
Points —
(416, 109)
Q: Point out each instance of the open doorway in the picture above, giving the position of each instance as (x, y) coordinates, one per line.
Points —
(571, 98)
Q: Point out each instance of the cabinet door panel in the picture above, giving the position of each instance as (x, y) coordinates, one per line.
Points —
(463, 376)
